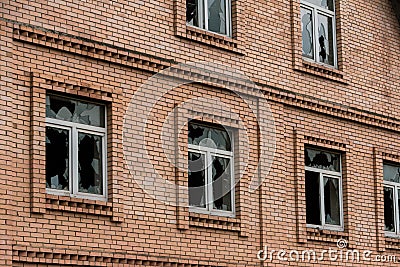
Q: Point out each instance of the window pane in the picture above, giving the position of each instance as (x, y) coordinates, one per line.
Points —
(192, 12)
(332, 201)
(391, 173)
(312, 198)
(57, 158)
(389, 209)
(197, 180)
(322, 160)
(209, 137)
(90, 164)
(328, 4)
(325, 40)
(307, 33)
(75, 111)
(221, 174)
(217, 16)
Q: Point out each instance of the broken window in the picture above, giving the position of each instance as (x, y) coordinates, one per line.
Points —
(210, 173)
(75, 148)
(323, 184)
(210, 15)
(319, 31)
(391, 198)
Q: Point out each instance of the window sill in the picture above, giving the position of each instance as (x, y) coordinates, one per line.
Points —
(78, 205)
(330, 236)
(209, 38)
(321, 70)
(217, 222)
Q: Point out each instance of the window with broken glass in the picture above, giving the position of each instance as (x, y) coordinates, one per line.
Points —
(211, 180)
(75, 148)
(323, 182)
(210, 15)
(318, 30)
(391, 198)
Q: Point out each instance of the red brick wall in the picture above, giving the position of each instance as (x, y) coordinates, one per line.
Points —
(107, 50)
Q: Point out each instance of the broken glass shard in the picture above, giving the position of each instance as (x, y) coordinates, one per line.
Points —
(322, 159)
(192, 12)
(217, 16)
(222, 183)
(209, 137)
(90, 167)
(391, 173)
(388, 208)
(307, 33)
(328, 4)
(57, 158)
(332, 201)
(313, 213)
(325, 40)
(197, 180)
(68, 109)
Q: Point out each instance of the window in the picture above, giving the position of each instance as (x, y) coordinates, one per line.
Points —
(391, 198)
(210, 15)
(211, 179)
(75, 148)
(323, 180)
(319, 31)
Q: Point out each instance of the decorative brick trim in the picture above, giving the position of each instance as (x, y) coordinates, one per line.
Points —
(41, 201)
(318, 69)
(89, 48)
(94, 258)
(304, 233)
(392, 243)
(78, 205)
(326, 235)
(207, 221)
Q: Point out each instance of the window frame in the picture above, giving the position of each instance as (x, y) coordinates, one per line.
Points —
(328, 174)
(203, 14)
(317, 10)
(396, 187)
(209, 153)
(74, 129)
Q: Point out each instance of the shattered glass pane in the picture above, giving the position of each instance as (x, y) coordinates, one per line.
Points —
(57, 158)
(307, 33)
(328, 4)
(332, 201)
(67, 109)
(209, 137)
(90, 167)
(391, 173)
(192, 12)
(221, 174)
(325, 40)
(217, 16)
(389, 208)
(197, 180)
(322, 160)
(313, 213)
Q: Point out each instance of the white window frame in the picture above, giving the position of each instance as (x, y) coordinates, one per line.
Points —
(328, 174)
(395, 186)
(209, 153)
(74, 129)
(203, 17)
(315, 10)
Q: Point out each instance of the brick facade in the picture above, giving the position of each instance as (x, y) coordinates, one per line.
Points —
(109, 51)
